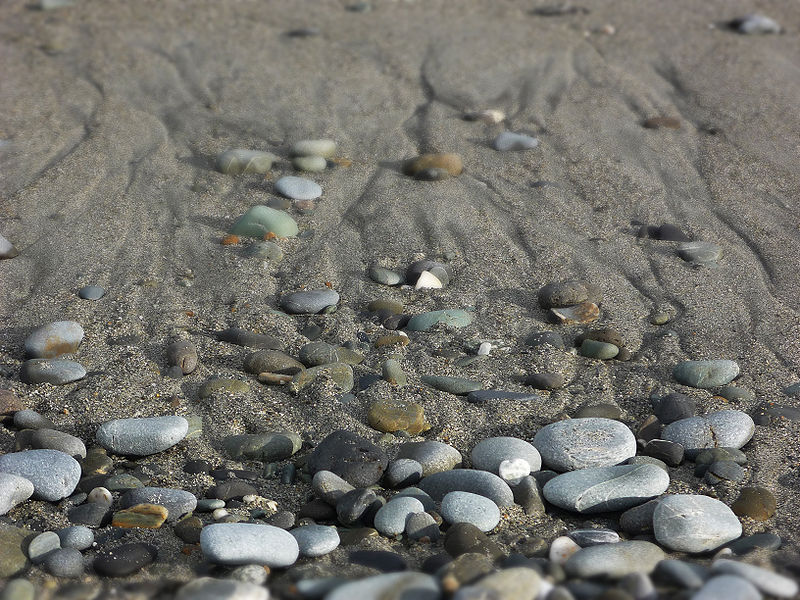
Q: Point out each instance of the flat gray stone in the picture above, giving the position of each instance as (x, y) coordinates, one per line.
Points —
(208, 588)
(177, 502)
(727, 587)
(422, 496)
(693, 523)
(142, 436)
(54, 475)
(65, 562)
(489, 453)
(7, 249)
(614, 560)
(420, 525)
(390, 586)
(316, 540)
(603, 489)
(483, 483)
(248, 543)
(514, 583)
(582, 443)
(700, 252)
(54, 339)
(434, 456)
(466, 507)
(298, 188)
(384, 276)
(77, 536)
(309, 302)
(13, 490)
(756, 23)
(706, 373)
(91, 292)
(459, 386)
(30, 419)
(767, 581)
(390, 520)
(453, 318)
(720, 429)
(55, 371)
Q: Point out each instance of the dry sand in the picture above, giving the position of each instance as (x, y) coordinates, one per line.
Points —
(114, 112)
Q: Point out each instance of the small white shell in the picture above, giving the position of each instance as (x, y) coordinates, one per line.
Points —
(428, 280)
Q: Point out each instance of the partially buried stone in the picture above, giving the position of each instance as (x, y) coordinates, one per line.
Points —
(459, 386)
(271, 361)
(145, 516)
(385, 276)
(755, 502)
(598, 350)
(91, 292)
(614, 560)
(325, 148)
(389, 586)
(673, 407)
(238, 161)
(7, 249)
(508, 140)
(691, 523)
(266, 250)
(309, 301)
(54, 339)
(729, 587)
(242, 337)
(182, 354)
(662, 123)
(392, 372)
(422, 525)
(755, 23)
(586, 312)
(42, 545)
(124, 560)
(482, 483)
(261, 220)
(594, 537)
(706, 373)
(176, 502)
(581, 443)
(312, 164)
(54, 475)
(235, 387)
(723, 471)
(248, 543)
(339, 373)
(449, 162)
(451, 318)
(563, 294)
(54, 371)
(91, 514)
(142, 436)
(395, 414)
(546, 381)
(700, 253)
(354, 458)
(298, 188)
(267, 446)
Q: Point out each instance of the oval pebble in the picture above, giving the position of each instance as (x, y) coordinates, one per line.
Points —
(309, 301)
(593, 537)
(352, 457)
(449, 162)
(261, 220)
(77, 536)
(514, 470)
(298, 188)
(142, 436)
(316, 540)
(765, 580)
(65, 562)
(124, 560)
(182, 354)
(729, 587)
(582, 443)
(465, 507)
(452, 318)
(391, 518)
(54, 339)
(325, 148)
(13, 490)
(725, 428)
(508, 140)
(208, 588)
(706, 373)
(42, 545)
(177, 502)
(388, 586)
(614, 560)
(248, 543)
(240, 160)
(54, 475)
(91, 292)
(311, 164)
(402, 473)
(693, 523)
(58, 440)
(51, 370)
(434, 456)
(482, 483)
(489, 454)
(700, 253)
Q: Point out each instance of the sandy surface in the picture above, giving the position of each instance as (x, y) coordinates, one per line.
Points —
(114, 112)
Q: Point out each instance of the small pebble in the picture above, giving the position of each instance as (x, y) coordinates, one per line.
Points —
(91, 292)
(298, 188)
(509, 140)
(238, 161)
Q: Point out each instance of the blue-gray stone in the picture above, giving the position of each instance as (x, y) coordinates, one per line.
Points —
(54, 339)
(177, 502)
(700, 253)
(389, 586)
(206, 505)
(508, 140)
(693, 523)
(77, 536)
(55, 371)
(582, 443)
(58, 440)
(705, 373)
(614, 560)
(64, 562)
(483, 483)
(248, 543)
(309, 302)
(729, 587)
(298, 188)
(453, 318)
(316, 540)
(466, 507)
(54, 475)
(42, 545)
(30, 419)
(432, 455)
(765, 580)
(603, 489)
(391, 518)
(208, 588)
(13, 490)
(402, 472)
(593, 537)
(91, 292)
(422, 496)
(489, 453)
(681, 573)
(142, 436)
(724, 428)
(459, 386)
(481, 396)
(757, 23)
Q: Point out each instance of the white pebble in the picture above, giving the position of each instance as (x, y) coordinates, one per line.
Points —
(428, 280)
(490, 117)
(484, 349)
(514, 470)
(219, 514)
(100, 495)
(562, 548)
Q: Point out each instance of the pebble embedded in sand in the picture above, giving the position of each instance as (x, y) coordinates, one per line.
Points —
(586, 312)
(701, 253)
(508, 140)
(662, 123)
(453, 318)
(756, 23)
(309, 302)
(490, 116)
(261, 220)
(385, 276)
(91, 292)
(311, 164)
(238, 161)
(125, 559)
(182, 354)
(54, 339)
(394, 414)
(449, 162)
(323, 148)
(298, 188)
(55, 371)
(391, 518)
(706, 373)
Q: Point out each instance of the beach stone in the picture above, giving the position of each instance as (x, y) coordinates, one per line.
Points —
(260, 220)
(755, 502)
(54, 475)
(396, 414)
(266, 447)
(756, 23)
(546, 381)
(691, 523)
(489, 454)
(18, 589)
(673, 407)
(614, 560)
(765, 580)
(508, 140)
(664, 123)
(562, 294)
(311, 164)
(188, 529)
(208, 588)
(483, 483)
(452, 318)
(434, 456)
(735, 393)
(385, 276)
(142, 436)
(441, 271)
(316, 540)
(51, 370)
(528, 496)
(483, 396)
(42, 545)
(124, 560)
(422, 525)
(466, 507)
(13, 560)
(602, 411)
(91, 292)
(581, 443)
(681, 573)
(238, 161)
(54, 339)
(668, 452)
(593, 537)
(264, 250)
(272, 361)
(248, 543)
(10, 404)
(723, 470)
(235, 387)
(463, 538)
(78, 537)
(242, 337)
(298, 188)
(514, 583)
(757, 541)
(449, 162)
(358, 507)
(381, 560)
(309, 302)
(706, 373)
(7, 249)
(389, 586)
(13, 490)
(415, 492)
(392, 372)
(459, 386)
(232, 489)
(604, 489)
(586, 312)
(729, 587)
(402, 472)
(145, 516)
(598, 350)
(329, 487)
(513, 470)
(724, 428)
(352, 457)
(177, 502)
(318, 353)
(122, 482)
(701, 253)
(339, 373)
(58, 440)
(64, 562)
(391, 518)
(325, 148)
(91, 514)
(183, 354)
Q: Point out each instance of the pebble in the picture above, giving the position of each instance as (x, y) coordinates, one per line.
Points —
(680, 573)
(311, 164)
(744, 545)
(756, 23)
(218, 385)
(515, 583)
(265, 250)
(593, 537)
(54, 475)
(490, 453)
(100, 495)
(54, 339)
(242, 337)
(58, 440)
(586, 312)
(614, 560)
(581, 443)
(270, 446)
(350, 456)
(391, 518)
(396, 414)
(144, 516)
(673, 407)
(392, 371)
(385, 276)
(18, 589)
(723, 470)
(550, 338)
(339, 373)
(604, 489)
(463, 538)
(260, 220)
(598, 350)
(324, 148)
(729, 587)
(182, 354)
(422, 525)
(13, 490)
(65, 562)
(768, 582)
(459, 386)
(91, 292)
(91, 514)
(51, 370)
(271, 361)
(508, 140)
(452, 318)
(449, 162)
(755, 502)
(402, 472)
(700, 253)
(124, 560)
(297, 188)
(329, 487)
(78, 537)
(434, 456)
(177, 502)
(42, 545)
(248, 543)
(706, 373)
(490, 116)
(389, 586)
(309, 302)
(316, 540)
(142, 436)
(7, 249)
(561, 549)
(692, 523)
(208, 588)
(466, 507)
(724, 428)
(238, 161)
(483, 483)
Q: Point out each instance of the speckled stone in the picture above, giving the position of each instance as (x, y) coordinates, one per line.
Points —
(316, 540)
(13, 490)
(729, 587)
(65, 562)
(706, 373)
(765, 580)
(434, 456)
(248, 543)
(124, 560)
(78, 537)
(54, 339)
(490, 452)
(325, 148)
(352, 457)
(482, 483)
(177, 502)
(614, 560)
(466, 507)
(142, 436)
(298, 188)
(452, 318)
(582, 443)
(55, 371)
(508, 140)
(391, 518)
(54, 475)
(389, 586)
(309, 302)
(692, 523)
(208, 588)
(724, 428)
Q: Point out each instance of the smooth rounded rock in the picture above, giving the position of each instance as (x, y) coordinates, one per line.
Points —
(64, 562)
(54, 339)
(54, 475)
(449, 162)
(352, 457)
(18, 589)
(298, 188)
(30, 419)
(756, 23)
(755, 502)
(725, 428)
(240, 160)
(124, 560)
(182, 354)
(582, 443)
(55, 371)
(727, 587)
(692, 523)
(482, 483)
(391, 518)
(58, 440)
(316, 540)
(78, 537)
(396, 414)
(563, 294)
(459, 386)
(452, 318)
(261, 220)
(508, 140)
(42, 545)
(706, 373)
(325, 148)
(309, 302)
(208, 588)
(13, 490)
(434, 456)
(310, 164)
(91, 292)
(614, 560)
(765, 580)
(385, 276)
(142, 436)
(594, 537)
(7, 249)
(248, 543)
(700, 253)
(389, 586)
(177, 502)
(488, 454)
(514, 583)
(466, 507)
(402, 472)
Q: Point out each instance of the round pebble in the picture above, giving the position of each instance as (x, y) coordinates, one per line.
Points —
(78, 537)
(614, 560)
(482, 483)
(508, 140)
(316, 540)
(706, 373)
(309, 302)
(91, 292)
(208, 588)
(13, 490)
(54, 371)
(124, 560)
(756, 23)
(701, 253)
(391, 518)
(142, 436)
(324, 148)
(240, 160)
(692, 523)
(434, 456)
(465, 507)
(177, 502)
(298, 188)
(582, 443)
(261, 220)
(765, 580)
(352, 457)
(42, 545)
(54, 339)
(54, 475)
(311, 164)
(490, 453)
(725, 428)
(65, 562)
(729, 587)
(246, 543)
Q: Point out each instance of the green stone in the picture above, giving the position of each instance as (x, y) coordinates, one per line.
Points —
(351, 357)
(260, 220)
(758, 503)
(459, 386)
(599, 350)
(312, 164)
(235, 162)
(123, 481)
(268, 446)
(271, 361)
(340, 373)
(195, 426)
(229, 386)
(393, 372)
(389, 306)
(706, 373)
(453, 317)
(12, 558)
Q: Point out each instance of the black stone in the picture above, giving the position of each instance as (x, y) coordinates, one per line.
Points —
(385, 562)
(197, 466)
(435, 562)
(91, 514)
(283, 519)
(671, 233)
(188, 529)
(124, 560)
(222, 474)
(465, 537)
(353, 506)
(318, 510)
(664, 450)
(352, 457)
(673, 407)
(233, 488)
(742, 546)
(723, 470)
(639, 519)
(545, 381)
(769, 414)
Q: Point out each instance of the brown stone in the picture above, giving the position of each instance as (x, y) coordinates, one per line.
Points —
(390, 415)
(585, 312)
(146, 516)
(758, 503)
(448, 162)
(274, 378)
(662, 123)
(9, 403)
(391, 340)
